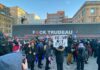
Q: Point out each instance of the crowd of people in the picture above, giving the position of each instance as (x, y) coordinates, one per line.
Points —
(35, 50)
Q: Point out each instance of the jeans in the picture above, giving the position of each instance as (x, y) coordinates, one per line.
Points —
(47, 64)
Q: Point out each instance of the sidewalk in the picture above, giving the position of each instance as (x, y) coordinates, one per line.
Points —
(90, 66)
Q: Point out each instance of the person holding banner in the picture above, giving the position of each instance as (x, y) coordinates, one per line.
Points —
(59, 57)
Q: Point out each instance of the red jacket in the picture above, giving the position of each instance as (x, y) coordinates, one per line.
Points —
(16, 48)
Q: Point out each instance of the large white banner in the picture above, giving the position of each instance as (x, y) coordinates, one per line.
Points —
(60, 40)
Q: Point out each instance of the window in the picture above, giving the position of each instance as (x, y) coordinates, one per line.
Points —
(94, 19)
(92, 10)
(83, 12)
(3, 12)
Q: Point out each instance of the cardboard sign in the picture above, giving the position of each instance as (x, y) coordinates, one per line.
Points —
(60, 40)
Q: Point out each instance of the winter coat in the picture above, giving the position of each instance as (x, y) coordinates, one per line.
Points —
(48, 52)
(98, 55)
(40, 49)
(16, 48)
(59, 56)
(30, 56)
(81, 54)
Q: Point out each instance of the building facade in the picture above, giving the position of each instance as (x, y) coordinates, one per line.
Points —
(56, 18)
(88, 13)
(22, 17)
(32, 19)
(69, 20)
(5, 20)
(18, 14)
(4, 10)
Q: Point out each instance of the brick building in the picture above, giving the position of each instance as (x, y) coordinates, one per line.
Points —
(88, 13)
(5, 20)
(56, 18)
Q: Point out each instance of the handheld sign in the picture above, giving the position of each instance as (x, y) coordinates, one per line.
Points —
(60, 40)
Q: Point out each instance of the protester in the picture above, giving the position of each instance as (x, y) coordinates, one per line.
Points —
(81, 56)
(69, 50)
(94, 47)
(98, 56)
(16, 47)
(30, 55)
(59, 57)
(48, 56)
(75, 52)
(40, 51)
(4, 47)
